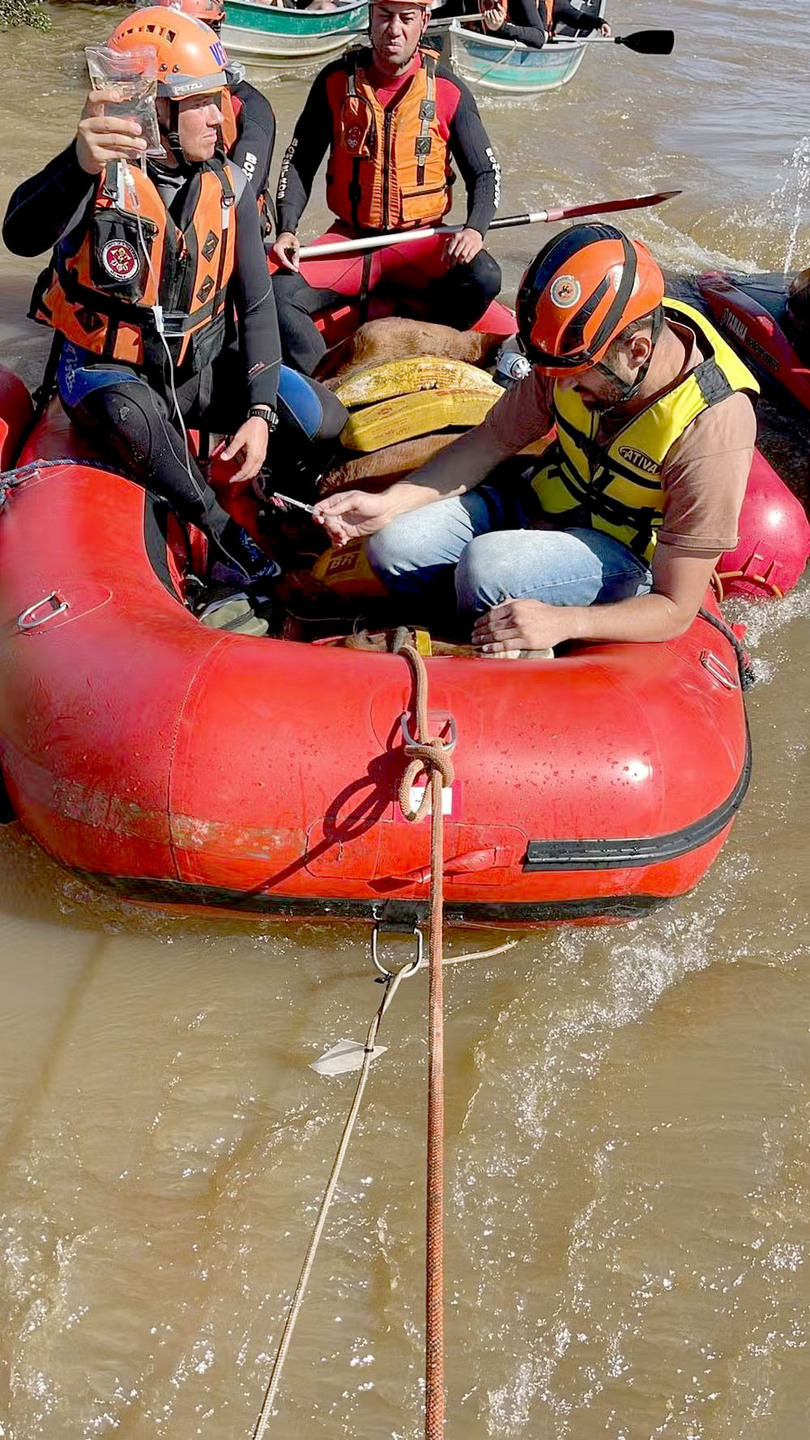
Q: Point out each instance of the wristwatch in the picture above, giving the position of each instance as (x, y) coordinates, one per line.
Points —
(266, 413)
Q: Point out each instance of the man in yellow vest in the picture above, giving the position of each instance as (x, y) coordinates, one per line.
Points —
(392, 119)
(615, 537)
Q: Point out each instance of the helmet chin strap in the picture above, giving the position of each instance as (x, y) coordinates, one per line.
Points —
(173, 133)
(629, 388)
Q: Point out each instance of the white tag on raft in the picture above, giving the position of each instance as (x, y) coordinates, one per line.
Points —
(345, 1056)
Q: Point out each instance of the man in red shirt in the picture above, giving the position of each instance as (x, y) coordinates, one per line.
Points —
(392, 118)
(616, 535)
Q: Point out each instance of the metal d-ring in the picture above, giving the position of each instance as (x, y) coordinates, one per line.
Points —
(718, 670)
(415, 964)
(449, 745)
(29, 620)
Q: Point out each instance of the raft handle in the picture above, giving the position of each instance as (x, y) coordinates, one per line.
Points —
(30, 619)
(718, 670)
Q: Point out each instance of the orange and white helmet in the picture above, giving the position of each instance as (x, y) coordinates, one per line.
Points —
(580, 292)
(191, 60)
(212, 12)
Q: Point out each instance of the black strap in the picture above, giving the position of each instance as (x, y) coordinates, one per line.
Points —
(47, 388)
(427, 114)
(744, 666)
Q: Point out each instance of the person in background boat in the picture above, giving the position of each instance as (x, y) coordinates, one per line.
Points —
(392, 118)
(617, 534)
(533, 22)
(249, 125)
(150, 266)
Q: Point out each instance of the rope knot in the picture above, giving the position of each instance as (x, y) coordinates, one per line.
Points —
(425, 757)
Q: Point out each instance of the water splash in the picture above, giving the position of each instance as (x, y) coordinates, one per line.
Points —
(791, 200)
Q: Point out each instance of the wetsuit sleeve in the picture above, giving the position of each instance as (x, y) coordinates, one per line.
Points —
(565, 14)
(303, 155)
(253, 150)
(472, 152)
(43, 208)
(255, 306)
(525, 24)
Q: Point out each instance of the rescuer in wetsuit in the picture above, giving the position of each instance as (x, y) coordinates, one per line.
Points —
(150, 269)
(249, 131)
(392, 118)
(533, 22)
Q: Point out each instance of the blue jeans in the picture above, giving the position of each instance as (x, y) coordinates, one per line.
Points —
(475, 535)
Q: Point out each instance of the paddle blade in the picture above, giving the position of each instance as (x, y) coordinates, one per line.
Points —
(649, 42)
(607, 207)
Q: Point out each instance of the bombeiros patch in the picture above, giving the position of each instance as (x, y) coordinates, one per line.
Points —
(120, 260)
(565, 292)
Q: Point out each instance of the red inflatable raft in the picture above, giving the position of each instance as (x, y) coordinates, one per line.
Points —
(184, 765)
(751, 310)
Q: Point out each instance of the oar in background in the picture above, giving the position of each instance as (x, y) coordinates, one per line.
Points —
(644, 42)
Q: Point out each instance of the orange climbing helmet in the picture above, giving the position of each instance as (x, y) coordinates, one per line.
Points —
(212, 12)
(580, 292)
(191, 60)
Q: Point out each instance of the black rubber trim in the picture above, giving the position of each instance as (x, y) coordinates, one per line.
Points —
(632, 853)
(177, 892)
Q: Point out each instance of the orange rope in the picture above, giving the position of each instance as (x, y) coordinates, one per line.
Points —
(430, 755)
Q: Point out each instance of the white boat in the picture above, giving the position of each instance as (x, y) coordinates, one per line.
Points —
(277, 38)
(492, 63)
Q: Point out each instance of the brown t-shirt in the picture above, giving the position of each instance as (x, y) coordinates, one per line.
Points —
(704, 474)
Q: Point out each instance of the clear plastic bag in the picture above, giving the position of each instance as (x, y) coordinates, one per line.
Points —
(133, 76)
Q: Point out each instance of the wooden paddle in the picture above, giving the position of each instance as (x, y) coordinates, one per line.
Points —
(504, 222)
(644, 42)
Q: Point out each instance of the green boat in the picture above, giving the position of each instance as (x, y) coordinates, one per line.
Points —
(260, 34)
(489, 63)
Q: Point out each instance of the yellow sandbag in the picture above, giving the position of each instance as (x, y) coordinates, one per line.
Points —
(377, 426)
(347, 572)
(406, 377)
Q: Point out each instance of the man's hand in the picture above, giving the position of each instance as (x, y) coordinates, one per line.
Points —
(100, 138)
(604, 29)
(285, 250)
(353, 513)
(251, 439)
(463, 247)
(521, 625)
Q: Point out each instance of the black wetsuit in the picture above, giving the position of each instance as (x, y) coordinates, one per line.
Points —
(527, 25)
(256, 134)
(132, 409)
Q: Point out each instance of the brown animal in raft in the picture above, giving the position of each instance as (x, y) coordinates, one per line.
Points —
(398, 339)
(375, 343)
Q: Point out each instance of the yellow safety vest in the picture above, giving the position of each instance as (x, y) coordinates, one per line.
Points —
(617, 488)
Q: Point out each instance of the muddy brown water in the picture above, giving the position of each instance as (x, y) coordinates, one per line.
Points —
(628, 1162)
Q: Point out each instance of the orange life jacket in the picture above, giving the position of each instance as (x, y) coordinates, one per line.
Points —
(101, 294)
(495, 14)
(389, 167)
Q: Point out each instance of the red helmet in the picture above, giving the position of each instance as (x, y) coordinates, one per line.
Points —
(580, 292)
(190, 58)
(212, 12)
